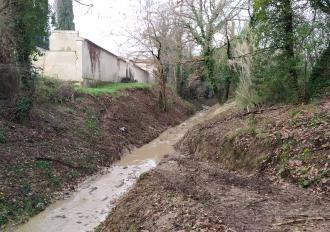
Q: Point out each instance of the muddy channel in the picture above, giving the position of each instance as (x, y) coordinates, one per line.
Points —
(92, 202)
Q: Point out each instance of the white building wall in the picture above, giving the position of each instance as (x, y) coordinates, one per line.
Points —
(122, 66)
(63, 41)
(101, 65)
(61, 65)
(73, 58)
(139, 74)
(98, 64)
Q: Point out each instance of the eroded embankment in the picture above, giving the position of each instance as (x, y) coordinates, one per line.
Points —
(86, 208)
(290, 143)
(238, 172)
(60, 144)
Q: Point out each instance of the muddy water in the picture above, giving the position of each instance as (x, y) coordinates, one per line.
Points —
(95, 198)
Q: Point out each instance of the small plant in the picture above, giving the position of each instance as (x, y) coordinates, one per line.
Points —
(283, 171)
(132, 228)
(45, 168)
(91, 124)
(6, 211)
(23, 107)
(43, 165)
(33, 205)
(253, 131)
(53, 179)
(143, 176)
(53, 90)
(305, 153)
(313, 122)
(253, 126)
(295, 113)
(73, 174)
(2, 136)
(305, 183)
(68, 110)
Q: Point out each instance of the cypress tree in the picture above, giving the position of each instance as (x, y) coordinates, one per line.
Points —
(65, 16)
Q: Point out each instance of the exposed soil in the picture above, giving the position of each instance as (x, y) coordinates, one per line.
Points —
(265, 170)
(185, 195)
(290, 143)
(60, 144)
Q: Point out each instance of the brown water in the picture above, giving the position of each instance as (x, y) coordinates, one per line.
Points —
(95, 198)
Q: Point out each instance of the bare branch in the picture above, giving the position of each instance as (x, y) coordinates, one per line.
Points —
(84, 4)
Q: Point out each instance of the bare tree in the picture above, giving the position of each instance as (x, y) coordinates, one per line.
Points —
(156, 39)
(206, 21)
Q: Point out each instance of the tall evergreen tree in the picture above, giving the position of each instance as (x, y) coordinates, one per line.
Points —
(65, 16)
(275, 24)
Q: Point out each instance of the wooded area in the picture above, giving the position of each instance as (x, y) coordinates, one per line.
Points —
(257, 72)
(260, 51)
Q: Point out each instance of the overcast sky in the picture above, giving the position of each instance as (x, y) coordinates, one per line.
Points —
(106, 22)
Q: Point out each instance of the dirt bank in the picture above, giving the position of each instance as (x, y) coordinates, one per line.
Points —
(290, 143)
(60, 144)
(238, 172)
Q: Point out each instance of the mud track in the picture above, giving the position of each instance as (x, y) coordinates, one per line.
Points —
(184, 195)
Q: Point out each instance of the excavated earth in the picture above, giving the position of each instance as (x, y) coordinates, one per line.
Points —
(264, 170)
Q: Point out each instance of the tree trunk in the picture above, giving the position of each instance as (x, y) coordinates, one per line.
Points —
(227, 88)
(209, 70)
(289, 43)
(162, 88)
(178, 77)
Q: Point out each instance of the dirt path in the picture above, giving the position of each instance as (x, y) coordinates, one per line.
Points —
(185, 195)
(95, 198)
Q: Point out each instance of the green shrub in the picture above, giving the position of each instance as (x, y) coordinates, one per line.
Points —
(271, 79)
(53, 90)
(23, 107)
(320, 78)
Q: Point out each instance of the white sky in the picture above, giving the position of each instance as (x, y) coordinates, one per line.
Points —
(106, 22)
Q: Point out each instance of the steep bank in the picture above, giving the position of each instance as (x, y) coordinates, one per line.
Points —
(289, 143)
(239, 171)
(61, 143)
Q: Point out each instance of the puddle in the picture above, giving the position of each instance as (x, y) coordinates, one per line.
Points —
(95, 198)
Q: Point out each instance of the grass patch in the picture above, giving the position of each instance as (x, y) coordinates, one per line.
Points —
(10, 212)
(113, 88)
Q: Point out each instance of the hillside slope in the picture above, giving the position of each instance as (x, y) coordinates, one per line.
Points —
(61, 143)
